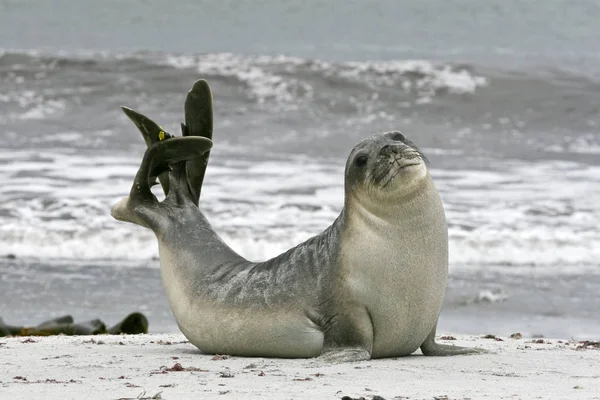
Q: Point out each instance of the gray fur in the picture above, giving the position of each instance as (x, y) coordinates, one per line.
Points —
(371, 285)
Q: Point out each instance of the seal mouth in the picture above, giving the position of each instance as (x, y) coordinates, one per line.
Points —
(384, 176)
(396, 172)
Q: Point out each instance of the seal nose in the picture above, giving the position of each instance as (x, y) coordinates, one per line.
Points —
(388, 150)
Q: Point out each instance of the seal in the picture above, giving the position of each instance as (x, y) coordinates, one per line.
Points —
(371, 285)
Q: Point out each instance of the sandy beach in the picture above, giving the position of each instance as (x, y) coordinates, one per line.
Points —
(166, 366)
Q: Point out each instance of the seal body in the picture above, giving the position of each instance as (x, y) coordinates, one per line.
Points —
(227, 305)
(371, 285)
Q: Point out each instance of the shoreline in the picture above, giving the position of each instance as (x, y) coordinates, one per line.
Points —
(167, 366)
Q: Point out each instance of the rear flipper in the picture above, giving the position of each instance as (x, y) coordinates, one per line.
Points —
(142, 207)
(431, 348)
(198, 122)
(152, 133)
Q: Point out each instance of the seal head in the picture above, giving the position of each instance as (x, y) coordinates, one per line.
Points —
(384, 167)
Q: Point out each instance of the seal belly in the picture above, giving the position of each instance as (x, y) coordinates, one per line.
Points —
(252, 332)
(247, 329)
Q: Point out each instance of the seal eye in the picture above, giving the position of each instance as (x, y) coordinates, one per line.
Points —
(361, 161)
(398, 136)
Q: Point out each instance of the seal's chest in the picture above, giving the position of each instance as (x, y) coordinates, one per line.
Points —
(382, 264)
(395, 250)
(401, 283)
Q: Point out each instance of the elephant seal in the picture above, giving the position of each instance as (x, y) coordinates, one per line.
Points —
(371, 285)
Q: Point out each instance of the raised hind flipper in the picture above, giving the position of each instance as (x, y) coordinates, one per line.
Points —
(198, 122)
(152, 133)
(141, 206)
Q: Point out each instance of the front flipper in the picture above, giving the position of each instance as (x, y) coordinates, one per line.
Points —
(198, 122)
(431, 348)
(349, 336)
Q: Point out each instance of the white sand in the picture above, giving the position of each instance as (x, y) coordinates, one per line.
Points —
(113, 367)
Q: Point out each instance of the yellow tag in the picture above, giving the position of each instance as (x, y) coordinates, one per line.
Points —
(161, 135)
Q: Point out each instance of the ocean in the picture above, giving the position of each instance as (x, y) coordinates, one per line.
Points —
(502, 96)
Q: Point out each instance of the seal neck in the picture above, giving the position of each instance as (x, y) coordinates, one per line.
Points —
(410, 208)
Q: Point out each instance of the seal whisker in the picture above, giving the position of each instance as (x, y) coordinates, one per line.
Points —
(391, 177)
